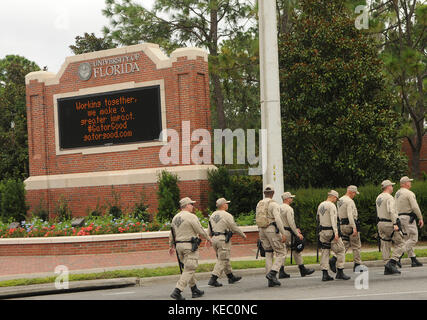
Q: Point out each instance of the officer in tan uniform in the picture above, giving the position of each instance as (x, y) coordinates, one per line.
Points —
(288, 220)
(329, 238)
(388, 229)
(408, 211)
(185, 229)
(221, 228)
(349, 227)
(272, 238)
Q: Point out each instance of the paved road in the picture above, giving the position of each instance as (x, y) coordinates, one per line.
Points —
(411, 284)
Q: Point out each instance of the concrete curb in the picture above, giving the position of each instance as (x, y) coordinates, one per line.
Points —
(88, 285)
(261, 271)
(74, 286)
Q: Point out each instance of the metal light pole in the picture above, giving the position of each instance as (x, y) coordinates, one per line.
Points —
(270, 96)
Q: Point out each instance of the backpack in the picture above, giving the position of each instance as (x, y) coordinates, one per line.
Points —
(261, 213)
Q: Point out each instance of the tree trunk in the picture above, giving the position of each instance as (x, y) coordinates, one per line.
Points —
(415, 163)
(219, 100)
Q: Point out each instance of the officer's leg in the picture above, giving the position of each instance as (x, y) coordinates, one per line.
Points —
(339, 249)
(356, 246)
(412, 239)
(288, 243)
(280, 253)
(268, 250)
(217, 245)
(191, 261)
(384, 233)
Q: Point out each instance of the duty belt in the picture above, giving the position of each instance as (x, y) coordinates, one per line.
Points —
(325, 228)
(406, 214)
(384, 220)
(189, 241)
(218, 233)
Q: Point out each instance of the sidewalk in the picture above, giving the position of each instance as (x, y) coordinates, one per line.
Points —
(12, 267)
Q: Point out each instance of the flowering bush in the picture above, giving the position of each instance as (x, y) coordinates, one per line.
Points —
(94, 225)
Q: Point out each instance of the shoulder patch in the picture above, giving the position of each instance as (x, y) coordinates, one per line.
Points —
(379, 201)
(178, 221)
(216, 218)
(397, 194)
(340, 203)
(322, 210)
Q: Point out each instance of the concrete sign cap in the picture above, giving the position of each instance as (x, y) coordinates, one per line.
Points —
(333, 193)
(353, 188)
(184, 201)
(221, 201)
(386, 183)
(405, 179)
(287, 195)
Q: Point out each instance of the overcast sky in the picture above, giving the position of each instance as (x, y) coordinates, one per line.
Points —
(42, 30)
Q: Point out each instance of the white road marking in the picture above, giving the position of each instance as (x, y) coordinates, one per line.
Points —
(117, 293)
(366, 295)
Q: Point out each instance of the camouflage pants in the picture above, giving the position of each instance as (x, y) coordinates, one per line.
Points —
(389, 238)
(272, 241)
(222, 250)
(411, 238)
(191, 261)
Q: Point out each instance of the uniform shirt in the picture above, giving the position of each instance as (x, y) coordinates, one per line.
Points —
(407, 203)
(273, 215)
(221, 221)
(347, 210)
(186, 225)
(287, 215)
(386, 207)
(327, 214)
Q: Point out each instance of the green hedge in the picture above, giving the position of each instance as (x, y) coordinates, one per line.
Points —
(307, 201)
(245, 192)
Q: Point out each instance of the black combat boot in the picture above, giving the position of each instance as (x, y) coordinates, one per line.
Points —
(213, 282)
(304, 271)
(272, 279)
(399, 263)
(332, 264)
(326, 276)
(282, 273)
(196, 293)
(341, 275)
(355, 266)
(232, 278)
(390, 267)
(415, 262)
(176, 294)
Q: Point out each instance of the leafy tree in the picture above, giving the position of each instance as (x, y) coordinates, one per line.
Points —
(401, 26)
(338, 122)
(13, 120)
(90, 43)
(12, 200)
(176, 23)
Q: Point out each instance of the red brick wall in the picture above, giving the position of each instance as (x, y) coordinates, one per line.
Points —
(406, 148)
(187, 93)
(98, 247)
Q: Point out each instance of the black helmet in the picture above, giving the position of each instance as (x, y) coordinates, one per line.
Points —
(298, 244)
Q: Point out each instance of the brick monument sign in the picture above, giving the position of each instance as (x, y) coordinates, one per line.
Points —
(96, 128)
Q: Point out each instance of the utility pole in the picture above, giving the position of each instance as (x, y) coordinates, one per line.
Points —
(270, 97)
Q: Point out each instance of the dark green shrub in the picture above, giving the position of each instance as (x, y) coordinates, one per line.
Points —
(40, 211)
(139, 211)
(243, 191)
(115, 208)
(220, 186)
(168, 196)
(12, 200)
(62, 211)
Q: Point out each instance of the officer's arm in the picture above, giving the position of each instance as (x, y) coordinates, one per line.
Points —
(234, 227)
(391, 208)
(170, 239)
(199, 229)
(350, 215)
(278, 219)
(333, 215)
(291, 220)
(414, 206)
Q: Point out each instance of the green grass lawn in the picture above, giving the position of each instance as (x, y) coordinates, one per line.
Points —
(166, 271)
